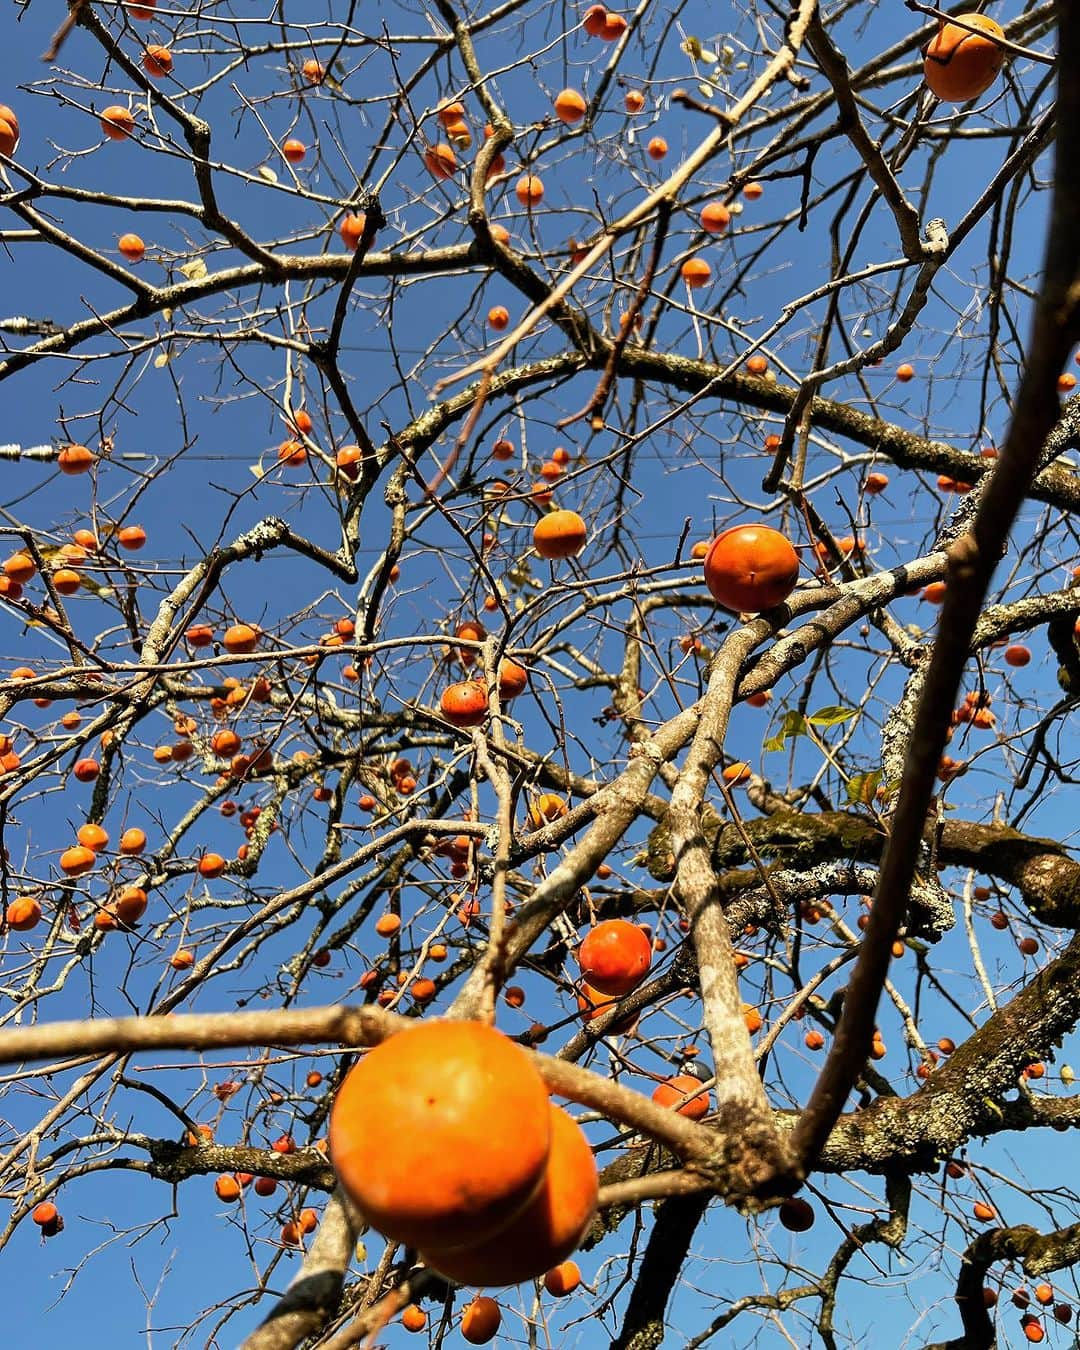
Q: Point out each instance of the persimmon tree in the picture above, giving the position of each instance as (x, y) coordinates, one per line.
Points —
(562, 517)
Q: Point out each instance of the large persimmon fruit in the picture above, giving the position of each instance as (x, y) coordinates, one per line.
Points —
(959, 65)
(559, 534)
(464, 704)
(480, 1320)
(685, 1094)
(546, 1231)
(441, 1134)
(750, 568)
(615, 956)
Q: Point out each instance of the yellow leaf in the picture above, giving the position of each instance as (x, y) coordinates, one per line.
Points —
(161, 360)
(267, 174)
(194, 270)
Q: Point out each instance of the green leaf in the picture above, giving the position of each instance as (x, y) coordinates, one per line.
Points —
(832, 717)
(862, 787)
(792, 724)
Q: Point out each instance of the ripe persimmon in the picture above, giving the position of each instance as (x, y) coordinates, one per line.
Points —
(131, 537)
(20, 568)
(292, 453)
(480, 1320)
(117, 122)
(464, 704)
(570, 107)
(633, 100)
(905, 372)
(131, 246)
(348, 460)
(225, 742)
(559, 534)
(563, 1279)
(695, 272)
(934, 593)
(657, 148)
(9, 130)
(715, 217)
(542, 1234)
(414, 1318)
(74, 459)
(411, 1134)
(959, 65)
(750, 568)
(876, 482)
(66, 581)
(44, 1214)
(211, 865)
(75, 861)
(351, 229)
(92, 836)
(614, 27)
(23, 914)
(440, 160)
(685, 1094)
(240, 638)
(1017, 655)
(313, 71)
(227, 1189)
(130, 904)
(529, 190)
(498, 317)
(615, 956)
(294, 151)
(157, 61)
(513, 679)
(594, 19)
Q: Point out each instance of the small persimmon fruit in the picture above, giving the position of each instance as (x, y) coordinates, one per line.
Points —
(131, 247)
